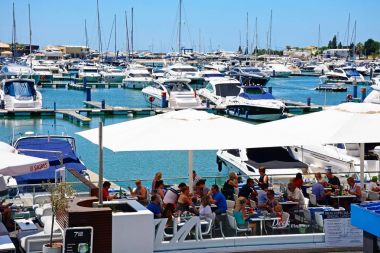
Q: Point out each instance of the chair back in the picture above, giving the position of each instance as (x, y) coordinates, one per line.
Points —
(230, 204)
(306, 205)
(363, 197)
(313, 199)
(285, 219)
(373, 195)
(231, 221)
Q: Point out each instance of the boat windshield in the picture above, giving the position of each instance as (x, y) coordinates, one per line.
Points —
(253, 90)
(184, 69)
(227, 90)
(90, 70)
(177, 87)
(213, 75)
(352, 72)
(139, 75)
(19, 89)
(251, 70)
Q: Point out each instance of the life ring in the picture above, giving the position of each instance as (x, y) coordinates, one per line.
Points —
(349, 97)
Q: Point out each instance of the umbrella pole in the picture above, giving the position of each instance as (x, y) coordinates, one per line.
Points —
(362, 165)
(190, 161)
(100, 181)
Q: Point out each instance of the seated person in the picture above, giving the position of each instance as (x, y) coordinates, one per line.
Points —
(354, 189)
(373, 185)
(205, 212)
(154, 206)
(247, 191)
(262, 194)
(159, 189)
(140, 192)
(201, 188)
(106, 195)
(230, 185)
(6, 212)
(270, 203)
(185, 200)
(172, 194)
(319, 191)
(295, 194)
(298, 181)
(333, 181)
(218, 199)
(168, 213)
(240, 214)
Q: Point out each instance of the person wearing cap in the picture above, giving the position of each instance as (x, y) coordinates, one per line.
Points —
(140, 192)
(373, 185)
(332, 179)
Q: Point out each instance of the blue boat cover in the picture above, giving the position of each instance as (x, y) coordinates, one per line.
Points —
(70, 159)
(255, 93)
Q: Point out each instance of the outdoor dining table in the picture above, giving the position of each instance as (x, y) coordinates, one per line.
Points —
(344, 200)
(26, 227)
(262, 219)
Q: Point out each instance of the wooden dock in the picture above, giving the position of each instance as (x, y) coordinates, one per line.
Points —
(74, 115)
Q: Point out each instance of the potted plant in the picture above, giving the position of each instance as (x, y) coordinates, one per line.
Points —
(60, 193)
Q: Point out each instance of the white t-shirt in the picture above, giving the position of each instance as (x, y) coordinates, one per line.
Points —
(171, 195)
(205, 212)
(297, 194)
(372, 185)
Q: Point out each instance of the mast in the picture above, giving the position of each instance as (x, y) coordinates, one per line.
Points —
(132, 32)
(30, 32)
(115, 38)
(246, 38)
(14, 35)
(127, 34)
(257, 40)
(319, 35)
(348, 29)
(199, 48)
(85, 33)
(99, 30)
(180, 26)
(270, 31)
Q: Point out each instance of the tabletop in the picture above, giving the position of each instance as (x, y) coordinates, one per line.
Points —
(26, 224)
(343, 196)
(288, 203)
(6, 243)
(260, 218)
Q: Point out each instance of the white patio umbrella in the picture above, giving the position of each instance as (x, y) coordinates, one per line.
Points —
(177, 130)
(345, 123)
(12, 164)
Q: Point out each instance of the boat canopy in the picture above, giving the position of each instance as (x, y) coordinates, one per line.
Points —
(19, 89)
(255, 93)
(42, 147)
(273, 158)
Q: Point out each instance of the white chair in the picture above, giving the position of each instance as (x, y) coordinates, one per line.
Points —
(283, 224)
(230, 204)
(208, 230)
(313, 200)
(44, 210)
(373, 195)
(364, 196)
(233, 225)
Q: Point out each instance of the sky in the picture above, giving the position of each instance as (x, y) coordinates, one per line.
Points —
(207, 24)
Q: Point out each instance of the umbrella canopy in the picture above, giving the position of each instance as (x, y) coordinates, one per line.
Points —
(345, 123)
(14, 164)
(177, 130)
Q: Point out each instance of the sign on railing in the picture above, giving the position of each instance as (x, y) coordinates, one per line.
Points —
(78, 240)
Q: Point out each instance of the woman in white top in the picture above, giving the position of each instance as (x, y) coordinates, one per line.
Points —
(354, 189)
(205, 212)
(373, 186)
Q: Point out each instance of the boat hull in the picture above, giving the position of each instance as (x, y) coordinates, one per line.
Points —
(254, 112)
(136, 84)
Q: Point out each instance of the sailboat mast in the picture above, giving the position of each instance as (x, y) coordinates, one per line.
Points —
(85, 32)
(30, 31)
(270, 31)
(14, 35)
(348, 29)
(115, 38)
(180, 26)
(246, 38)
(319, 35)
(257, 40)
(127, 34)
(99, 30)
(132, 32)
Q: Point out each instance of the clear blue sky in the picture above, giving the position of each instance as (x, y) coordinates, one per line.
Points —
(295, 22)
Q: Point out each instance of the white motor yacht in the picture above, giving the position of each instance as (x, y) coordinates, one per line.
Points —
(180, 70)
(20, 71)
(90, 73)
(177, 93)
(219, 90)
(345, 74)
(218, 66)
(277, 70)
(374, 95)
(342, 157)
(19, 93)
(254, 103)
(137, 77)
(278, 161)
(112, 75)
(44, 73)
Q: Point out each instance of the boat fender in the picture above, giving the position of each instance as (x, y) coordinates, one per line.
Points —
(220, 164)
(349, 97)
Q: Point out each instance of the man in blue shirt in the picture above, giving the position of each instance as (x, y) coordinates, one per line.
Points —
(154, 206)
(218, 199)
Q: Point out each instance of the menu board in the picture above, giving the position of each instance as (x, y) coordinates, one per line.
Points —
(78, 240)
(339, 231)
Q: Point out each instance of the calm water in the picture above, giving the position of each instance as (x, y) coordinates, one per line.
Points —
(128, 165)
